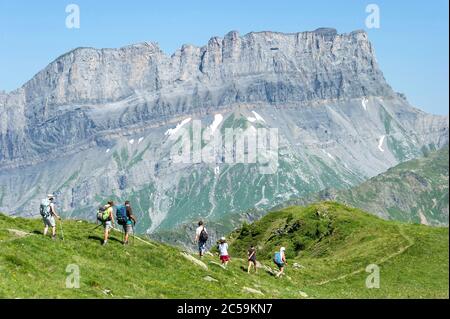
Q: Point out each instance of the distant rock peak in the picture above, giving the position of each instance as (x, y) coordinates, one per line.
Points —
(330, 31)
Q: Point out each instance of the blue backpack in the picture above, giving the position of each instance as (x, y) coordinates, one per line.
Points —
(277, 258)
(121, 215)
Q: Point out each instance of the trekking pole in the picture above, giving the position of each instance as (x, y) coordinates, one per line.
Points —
(62, 230)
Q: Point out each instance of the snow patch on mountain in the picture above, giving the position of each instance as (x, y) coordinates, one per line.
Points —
(328, 154)
(172, 131)
(215, 124)
(380, 143)
(258, 117)
(364, 103)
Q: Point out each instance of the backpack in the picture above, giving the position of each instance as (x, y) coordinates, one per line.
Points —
(121, 215)
(44, 208)
(203, 235)
(277, 258)
(103, 214)
(100, 212)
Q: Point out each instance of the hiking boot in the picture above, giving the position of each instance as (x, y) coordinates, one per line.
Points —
(53, 237)
(104, 243)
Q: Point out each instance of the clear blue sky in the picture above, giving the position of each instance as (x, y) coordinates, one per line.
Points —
(411, 44)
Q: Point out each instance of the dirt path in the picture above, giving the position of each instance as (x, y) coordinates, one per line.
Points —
(382, 260)
(15, 234)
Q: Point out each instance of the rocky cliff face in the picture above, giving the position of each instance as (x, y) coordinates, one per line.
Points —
(93, 124)
(258, 67)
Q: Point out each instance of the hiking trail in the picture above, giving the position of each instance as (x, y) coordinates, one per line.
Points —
(381, 261)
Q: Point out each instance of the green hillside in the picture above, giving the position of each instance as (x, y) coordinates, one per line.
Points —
(331, 245)
(415, 191)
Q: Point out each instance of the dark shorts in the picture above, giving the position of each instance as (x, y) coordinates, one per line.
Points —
(280, 265)
(201, 246)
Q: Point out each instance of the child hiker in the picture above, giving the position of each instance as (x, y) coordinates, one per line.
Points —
(223, 251)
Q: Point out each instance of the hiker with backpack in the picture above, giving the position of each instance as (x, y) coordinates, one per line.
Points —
(223, 252)
(125, 218)
(280, 260)
(251, 256)
(107, 219)
(201, 237)
(48, 213)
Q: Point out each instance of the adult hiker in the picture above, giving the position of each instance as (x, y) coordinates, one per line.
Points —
(251, 256)
(201, 237)
(108, 220)
(126, 219)
(223, 252)
(48, 213)
(280, 260)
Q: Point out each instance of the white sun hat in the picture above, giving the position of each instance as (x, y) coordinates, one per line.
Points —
(282, 249)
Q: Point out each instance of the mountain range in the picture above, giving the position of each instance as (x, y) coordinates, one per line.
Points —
(99, 124)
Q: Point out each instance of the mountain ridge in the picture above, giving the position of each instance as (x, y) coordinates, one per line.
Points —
(155, 44)
(78, 77)
(93, 127)
(414, 191)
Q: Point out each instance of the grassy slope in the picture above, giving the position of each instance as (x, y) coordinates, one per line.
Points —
(341, 241)
(35, 266)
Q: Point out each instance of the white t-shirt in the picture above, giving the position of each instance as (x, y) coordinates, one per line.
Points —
(223, 249)
(198, 231)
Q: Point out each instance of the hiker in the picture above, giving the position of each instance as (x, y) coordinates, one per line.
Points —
(280, 260)
(223, 251)
(48, 213)
(251, 254)
(108, 220)
(126, 219)
(201, 237)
